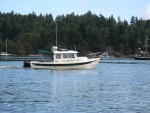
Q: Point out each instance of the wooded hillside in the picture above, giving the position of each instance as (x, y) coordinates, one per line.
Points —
(88, 32)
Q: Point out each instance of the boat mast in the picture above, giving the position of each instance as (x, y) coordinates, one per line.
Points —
(6, 45)
(56, 34)
(146, 43)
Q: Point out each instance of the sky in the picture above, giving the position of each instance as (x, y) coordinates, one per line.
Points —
(124, 9)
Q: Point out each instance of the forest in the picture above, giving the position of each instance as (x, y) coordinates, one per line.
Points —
(88, 33)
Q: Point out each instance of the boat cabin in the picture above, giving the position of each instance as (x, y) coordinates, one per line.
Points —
(64, 55)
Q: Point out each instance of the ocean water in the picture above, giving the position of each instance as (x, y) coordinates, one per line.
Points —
(113, 86)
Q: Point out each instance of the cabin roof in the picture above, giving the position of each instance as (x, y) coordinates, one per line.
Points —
(65, 52)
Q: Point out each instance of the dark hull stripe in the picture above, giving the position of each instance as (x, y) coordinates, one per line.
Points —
(73, 64)
(142, 58)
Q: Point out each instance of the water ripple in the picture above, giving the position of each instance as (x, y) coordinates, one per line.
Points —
(110, 87)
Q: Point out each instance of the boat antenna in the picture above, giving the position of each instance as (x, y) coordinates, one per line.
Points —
(56, 33)
(146, 39)
(75, 47)
(146, 43)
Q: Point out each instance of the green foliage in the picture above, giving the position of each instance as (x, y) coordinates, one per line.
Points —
(88, 32)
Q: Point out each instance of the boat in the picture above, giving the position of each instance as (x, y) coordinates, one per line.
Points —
(143, 55)
(5, 55)
(66, 59)
(105, 56)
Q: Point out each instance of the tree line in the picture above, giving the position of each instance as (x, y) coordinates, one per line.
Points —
(88, 32)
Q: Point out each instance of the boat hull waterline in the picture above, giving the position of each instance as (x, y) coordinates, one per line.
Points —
(91, 63)
(142, 58)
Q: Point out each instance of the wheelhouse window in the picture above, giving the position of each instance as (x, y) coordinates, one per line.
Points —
(58, 56)
(71, 55)
(75, 55)
(68, 56)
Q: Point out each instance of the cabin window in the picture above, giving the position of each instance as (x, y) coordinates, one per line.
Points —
(71, 55)
(75, 55)
(68, 56)
(58, 56)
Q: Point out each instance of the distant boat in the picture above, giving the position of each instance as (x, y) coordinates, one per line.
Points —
(105, 56)
(5, 55)
(143, 55)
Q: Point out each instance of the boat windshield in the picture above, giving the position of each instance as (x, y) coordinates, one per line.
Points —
(75, 55)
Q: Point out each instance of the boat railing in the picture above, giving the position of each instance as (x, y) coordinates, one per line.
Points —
(43, 58)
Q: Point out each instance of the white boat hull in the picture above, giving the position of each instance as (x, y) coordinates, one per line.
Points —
(4, 56)
(90, 63)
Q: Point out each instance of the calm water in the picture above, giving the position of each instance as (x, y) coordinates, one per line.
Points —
(117, 86)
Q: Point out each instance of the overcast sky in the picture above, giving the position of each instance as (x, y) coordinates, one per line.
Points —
(125, 9)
